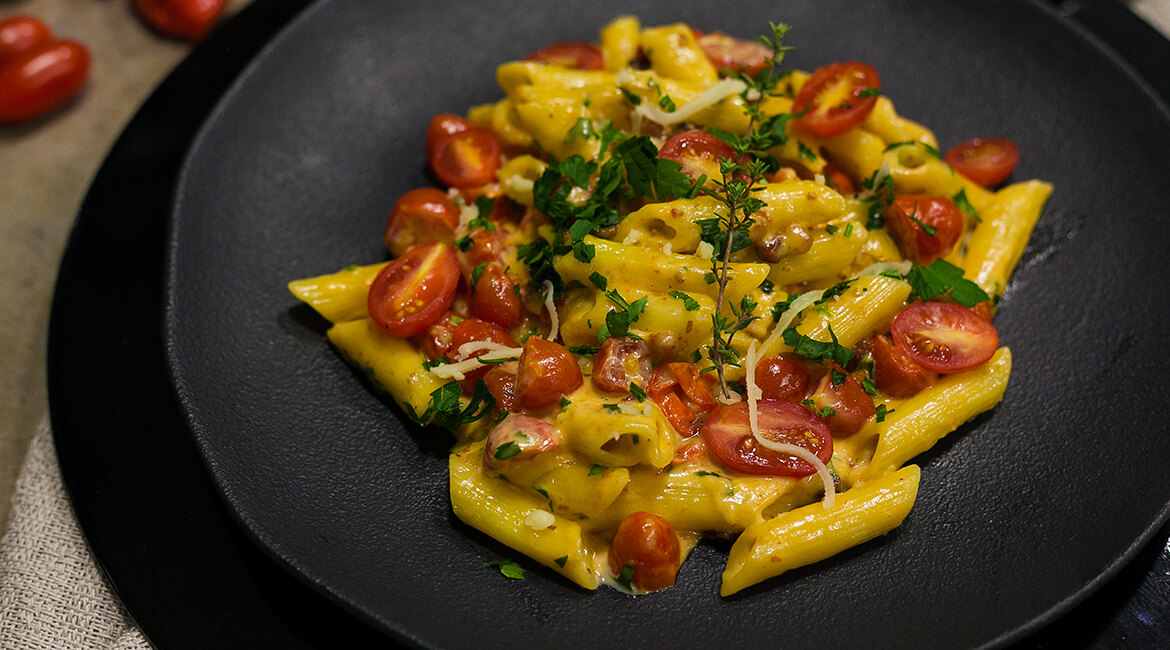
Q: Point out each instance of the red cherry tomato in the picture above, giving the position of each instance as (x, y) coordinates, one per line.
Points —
(834, 99)
(851, 407)
(20, 34)
(682, 394)
(494, 297)
(41, 79)
(519, 438)
(619, 362)
(485, 247)
(189, 20)
(730, 53)
(647, 544)
(838, 180)
(581, 56)
(987, 161)
(467, 158)
(943, 337)
(895, 372)
(691, 451)
(435, 341)
(421, 215)
(547, 371)
(415, 290)
(937, 213)
(698, 152)
(442, 125)
(501, 383)
(782, 379)
(473, 330)
(728, 435)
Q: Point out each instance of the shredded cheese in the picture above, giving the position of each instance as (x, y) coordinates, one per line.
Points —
(704, 249)
(881, 267)
(714, 94)
(802, 302)
(554, 320)
(456, 370)
(539, 519)
(633, 237)
(628, 409)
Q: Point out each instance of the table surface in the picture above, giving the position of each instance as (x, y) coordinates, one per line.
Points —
(49, 163)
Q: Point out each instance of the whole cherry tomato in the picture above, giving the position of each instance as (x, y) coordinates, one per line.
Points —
(415, 290)
(467, 158)
(846, 405)
(581, 56)
(647, 544)
(943, 337)
(682, 394)
(619, 362)
(21, 33)
(729, 438)
(189, 20)
(782, 379)
(547, 371)
(494, 297)
(837, 98)
(926, 227)
(699, 153)
(895, 372)
(421, 215)
(42, 78)
(442, 125)
(730, 53)
(987, 161)
(473, 330)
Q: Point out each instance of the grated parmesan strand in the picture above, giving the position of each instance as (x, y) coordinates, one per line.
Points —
(554, 320)
(455, 370)
(715, 93)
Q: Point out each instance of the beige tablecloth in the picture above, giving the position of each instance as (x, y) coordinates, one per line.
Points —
(52, 594)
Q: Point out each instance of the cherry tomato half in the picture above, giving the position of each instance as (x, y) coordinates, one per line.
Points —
(494, 297)
(189, 20)
(501, 383)
(838, 180)
(619, 362)
(895, 372)
(682, 394)
(519, 438)
(847, 406)
(942, 220)
(730, 53)
(581, 56)
(547, 371)
(421, 215)
(987, 161)
(473, 330)
(782, 379)
(41, 79)
(20, 34)
(834, 98)
(646, 543)
(699, 153)
(943, 337)
(442, 125)
(415, 290)
(728, 435)
(467, 158)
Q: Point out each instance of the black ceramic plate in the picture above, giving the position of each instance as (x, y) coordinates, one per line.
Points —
(1020, 513)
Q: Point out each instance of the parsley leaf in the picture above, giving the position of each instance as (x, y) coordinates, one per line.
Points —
(941, 277)
(689, 303)
(594, 470)
(583, 350)
(638, 393)
(815, 350)
(477, 271)
(561, 561)
(445, 408)
(484, 206)
(963, 204)
(598, 280)
(625, 577)
(618, 322)
(508, 569)
(881, 412)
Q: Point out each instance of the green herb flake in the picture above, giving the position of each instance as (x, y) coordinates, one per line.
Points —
(831, 229)
(351, 268)
(848, 230)
(598, 280)
(767, 287)
(612, 408)
(561, 561)
(583, 350)
(594, 470)
(625, 577)
(667, 103)
(477, 272)
(963, 204)
(637, 392)
(870, 92)
(815, 350)
(881, 412)
(836, 377)
(688, 302)
(508, 569)
(565, 402)
(507, 450)
(806, 152)
(630, 97)
(541, 491)
(869, 386)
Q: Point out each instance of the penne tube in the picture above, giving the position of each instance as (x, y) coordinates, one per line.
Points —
(619, 42)
(392, 364)
(341, 296)
(828, 257)
(999, 240)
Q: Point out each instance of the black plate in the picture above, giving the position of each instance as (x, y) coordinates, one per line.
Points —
(441, 556)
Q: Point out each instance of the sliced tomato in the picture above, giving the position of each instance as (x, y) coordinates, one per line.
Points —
(846, 405)
(519, 438)
(485, 247)
(692, 450)
(683, 394)
(925, 227)
(621, 361)
(581, 56)
(838, 180)
(435, 341)
(730, 53)
(647, 544)
(467, 158)
(698, 152)
(728, 435)
(547, 371)
(494, 297)
(943, 337)
(895, 372)
(443, 125)
(42, 78)
(834, 98)
(782, 379)
(421, 215)
(987, 161)
(21, 33)
(501, 383)
(415, 290)
(473, 330)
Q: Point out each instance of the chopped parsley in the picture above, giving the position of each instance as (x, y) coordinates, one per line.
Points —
(583, 350)
(561, 561)
(477, 272)
(594, 470)
(815, 350)
(824, 413)
(637, 392)
(688, 302)
(625, 577)
(507, 450)
(446, 410)
(881, 412)
(508, 569)
(963, 204)
(618, 322)
(939, 278)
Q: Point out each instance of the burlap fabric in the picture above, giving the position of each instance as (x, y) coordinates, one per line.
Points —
(52, 595)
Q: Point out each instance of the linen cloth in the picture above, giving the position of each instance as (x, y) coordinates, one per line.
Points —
(52, 594)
